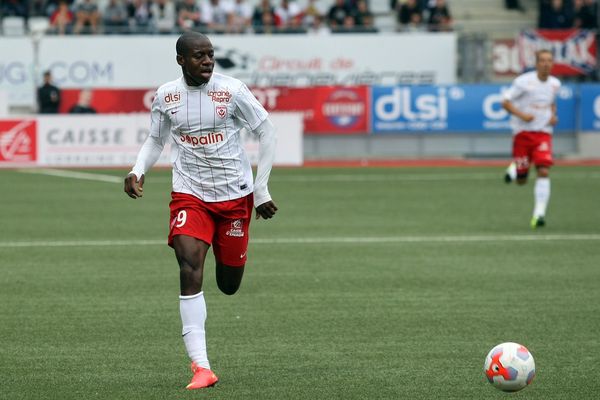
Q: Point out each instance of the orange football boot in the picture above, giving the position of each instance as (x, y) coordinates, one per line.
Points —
(202, 378)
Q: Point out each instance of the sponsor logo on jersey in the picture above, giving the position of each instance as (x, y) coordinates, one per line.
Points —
(236, 229)
(18, 141)
(172, 98)
(219, 96)
(203, 140)
(221, 111)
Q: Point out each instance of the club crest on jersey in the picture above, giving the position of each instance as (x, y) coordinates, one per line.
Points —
(172, 98)
(236, 229)
(220, 96)
(221, 111)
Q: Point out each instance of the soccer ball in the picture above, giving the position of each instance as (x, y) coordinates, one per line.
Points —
(509, 367)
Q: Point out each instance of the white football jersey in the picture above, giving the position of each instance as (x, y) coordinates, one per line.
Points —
(532, 96)
(204, 124)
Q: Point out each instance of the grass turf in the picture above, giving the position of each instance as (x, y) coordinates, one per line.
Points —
(322, 320)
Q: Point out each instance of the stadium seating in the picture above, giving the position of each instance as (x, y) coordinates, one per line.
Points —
(13, 26)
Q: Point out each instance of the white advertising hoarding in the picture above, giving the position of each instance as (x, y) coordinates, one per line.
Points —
(280, 60)
(114, 141)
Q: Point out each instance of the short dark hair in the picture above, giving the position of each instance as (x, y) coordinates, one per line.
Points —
(184, 41)
(542, 51)
(47, 72)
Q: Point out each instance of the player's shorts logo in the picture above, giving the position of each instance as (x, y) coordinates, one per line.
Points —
(221, 111)
(236, 229)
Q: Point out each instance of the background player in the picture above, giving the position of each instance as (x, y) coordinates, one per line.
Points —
(213, 194)
(531, 101)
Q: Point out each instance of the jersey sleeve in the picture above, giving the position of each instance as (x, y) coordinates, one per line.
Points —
(515, 91)
(160, 124)
(248, 109)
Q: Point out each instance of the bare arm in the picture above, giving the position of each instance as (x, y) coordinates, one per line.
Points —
(554, 118)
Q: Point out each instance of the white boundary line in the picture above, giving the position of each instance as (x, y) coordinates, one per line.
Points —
(74, 175)
(400, 177)
(320, 240)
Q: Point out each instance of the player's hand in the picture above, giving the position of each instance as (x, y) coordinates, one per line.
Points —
(266, 210)
(133, 187)
(527, 117)
(553, 120)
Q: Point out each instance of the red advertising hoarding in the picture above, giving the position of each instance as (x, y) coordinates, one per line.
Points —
(327, 109)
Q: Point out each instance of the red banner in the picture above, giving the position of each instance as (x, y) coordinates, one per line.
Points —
(18, 141)
(327, 110)
(574, 50)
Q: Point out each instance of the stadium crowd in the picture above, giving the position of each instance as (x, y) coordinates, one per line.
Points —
(224, 16)
(565, 14)
(211, 16)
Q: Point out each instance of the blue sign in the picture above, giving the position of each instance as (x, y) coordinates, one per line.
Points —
(590, 107)
(458, 108)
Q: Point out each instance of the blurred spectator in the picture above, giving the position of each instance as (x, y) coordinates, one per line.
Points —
(312, 11)
(50, 6)
(586, 14)
(554, 15)
(48, 96)
(267, 23)
(115, 17)
(163, 12)
(36, 8)
(188, 15)
(215, 14)
(14, 8)
(83, 105)
(318, 27)
(337, 14)
(439, 16)
(86, 16)
(240, 17)
(514, 5)
(258, 16)
(285, 13)
(140, 16)
(61, 19)
(363, 17)
(409, 15)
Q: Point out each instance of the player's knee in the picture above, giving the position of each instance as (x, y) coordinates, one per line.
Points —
(543, 172)
(228, 288)
(521, 181)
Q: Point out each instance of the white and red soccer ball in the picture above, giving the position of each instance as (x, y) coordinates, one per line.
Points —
(509, 367)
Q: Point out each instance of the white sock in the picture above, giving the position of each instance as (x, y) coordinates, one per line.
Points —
(193, 316)
(542, 196)
(512, 171)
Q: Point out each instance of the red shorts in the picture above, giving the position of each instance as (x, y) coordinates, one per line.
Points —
(532, 147)
(224, 225)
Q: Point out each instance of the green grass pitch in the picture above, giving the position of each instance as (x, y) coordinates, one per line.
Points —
(88, 310)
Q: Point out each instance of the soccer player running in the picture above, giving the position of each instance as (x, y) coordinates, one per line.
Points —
(531, 101)
(201, 114)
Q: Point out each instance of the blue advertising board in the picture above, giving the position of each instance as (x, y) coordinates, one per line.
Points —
(455, 108)
(590, 107)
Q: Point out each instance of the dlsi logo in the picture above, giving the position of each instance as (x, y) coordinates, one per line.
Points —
(400, 104)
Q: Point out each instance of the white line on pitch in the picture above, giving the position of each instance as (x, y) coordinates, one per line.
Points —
(424, 177)
(74, 175)
(321, 240)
